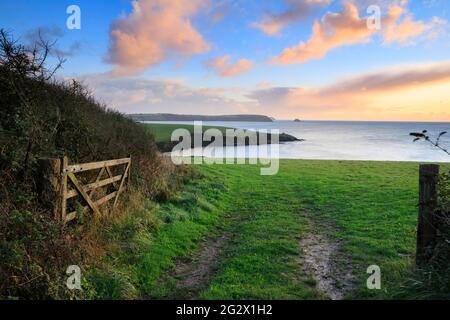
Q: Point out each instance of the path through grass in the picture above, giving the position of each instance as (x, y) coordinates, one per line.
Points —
(370, 208)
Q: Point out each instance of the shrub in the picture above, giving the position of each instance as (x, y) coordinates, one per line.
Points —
(44, 117)
(433, 279)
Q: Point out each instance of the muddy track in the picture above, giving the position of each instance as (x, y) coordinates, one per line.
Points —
(195, 275)
(323, 261)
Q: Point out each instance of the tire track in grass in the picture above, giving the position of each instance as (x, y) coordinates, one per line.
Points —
(266, 248)
(195, 275)
(191, 275)
(261, 260)
(321, 256)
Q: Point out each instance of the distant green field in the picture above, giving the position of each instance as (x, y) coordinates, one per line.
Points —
(369, 207)
(162, 132)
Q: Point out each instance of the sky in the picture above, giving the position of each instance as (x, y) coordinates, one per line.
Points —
(374, 60)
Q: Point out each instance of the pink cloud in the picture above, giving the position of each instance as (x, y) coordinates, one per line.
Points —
(335, 30)
(153, 31)
(392, 79)
(397, 30)
(347, 28)
(225, 68)
(354, 97)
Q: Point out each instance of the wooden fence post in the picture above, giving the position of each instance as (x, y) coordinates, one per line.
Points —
(426, 231)
(65, 163)
(49, 184)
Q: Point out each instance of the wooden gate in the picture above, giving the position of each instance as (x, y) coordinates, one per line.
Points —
(87, 191)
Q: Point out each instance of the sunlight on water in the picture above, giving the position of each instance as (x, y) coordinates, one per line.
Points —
(333, 140)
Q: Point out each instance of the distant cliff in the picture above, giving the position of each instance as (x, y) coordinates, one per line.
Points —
(186, 117)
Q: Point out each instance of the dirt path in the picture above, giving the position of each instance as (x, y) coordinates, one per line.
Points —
(322, 260)
(194, 276)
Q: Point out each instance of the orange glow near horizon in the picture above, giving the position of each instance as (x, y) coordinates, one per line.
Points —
(409, 99)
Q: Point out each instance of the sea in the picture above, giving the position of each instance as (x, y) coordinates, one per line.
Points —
(349, 140)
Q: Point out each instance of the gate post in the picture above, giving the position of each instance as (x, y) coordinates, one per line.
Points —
(426, 231)
(49, 184)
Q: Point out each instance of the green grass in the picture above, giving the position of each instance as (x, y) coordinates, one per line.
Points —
(370, 206)
(162, 132)
(148, 241)
(262, 261)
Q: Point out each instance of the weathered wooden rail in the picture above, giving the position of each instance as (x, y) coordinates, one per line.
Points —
(59, 183)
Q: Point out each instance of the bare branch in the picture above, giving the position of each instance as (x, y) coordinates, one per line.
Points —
(28, 62)
(424, 136)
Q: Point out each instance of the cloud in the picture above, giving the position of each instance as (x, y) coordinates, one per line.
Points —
(44, 32)
(51, 35)
(414, 93)
(335, 29)
(224, 68)
(347, 28)
(409, 90)
(138, 94)
(392, 79)
(400, 30)
(69, 52)
(153, 31)
(297, 11)
(219, 10)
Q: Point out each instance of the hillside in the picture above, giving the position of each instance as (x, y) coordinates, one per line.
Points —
(41, 117)
(185, 117)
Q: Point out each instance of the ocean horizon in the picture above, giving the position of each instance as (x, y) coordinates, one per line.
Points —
(345, 140)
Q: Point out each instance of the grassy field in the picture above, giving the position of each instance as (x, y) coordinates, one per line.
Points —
(369, 207)
(162, 132)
